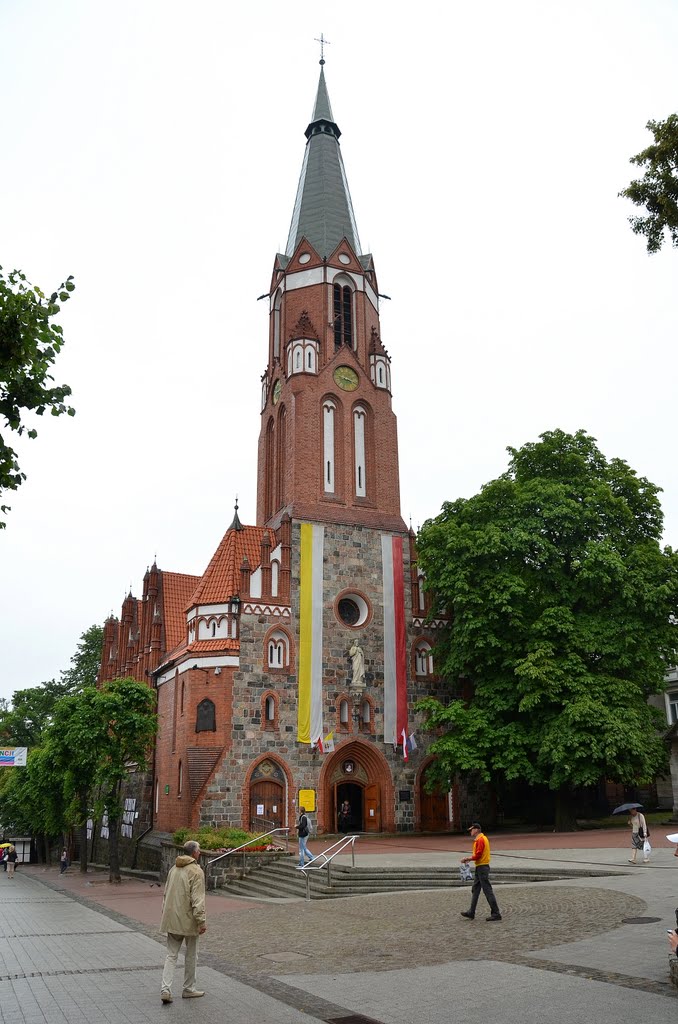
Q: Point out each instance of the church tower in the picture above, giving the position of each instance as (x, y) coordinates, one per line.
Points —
(328, 447)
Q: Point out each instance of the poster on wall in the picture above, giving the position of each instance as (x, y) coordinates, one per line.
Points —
(13, 757)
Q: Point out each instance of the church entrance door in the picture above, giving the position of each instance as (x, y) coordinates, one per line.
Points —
(266, 805)
(372, 809)
(435, 812)
(352, 794)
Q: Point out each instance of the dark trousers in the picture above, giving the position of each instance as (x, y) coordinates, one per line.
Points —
(482, 881)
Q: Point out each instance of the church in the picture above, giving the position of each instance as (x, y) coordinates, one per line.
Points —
(287, 673)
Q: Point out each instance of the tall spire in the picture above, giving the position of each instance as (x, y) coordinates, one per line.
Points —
(323, 212)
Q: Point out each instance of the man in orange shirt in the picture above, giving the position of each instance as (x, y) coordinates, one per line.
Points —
(481, 858)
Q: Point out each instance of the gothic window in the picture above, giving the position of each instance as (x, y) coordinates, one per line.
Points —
(343, 315)
(276, 325)
(280, 461)
(275, 577)
(329, 410)
(270, 712)
(214, 627)
(206, 719)
(180, 778)
(183, 694)
(366, 716)
(343, 715)
(270, 461)
(423, 660)
(359, 417)
(420, 586)
(278, 650)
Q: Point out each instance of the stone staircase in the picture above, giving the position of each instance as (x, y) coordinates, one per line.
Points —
(281, 880)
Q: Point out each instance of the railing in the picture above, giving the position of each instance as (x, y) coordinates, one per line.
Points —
(243, 848)
(326, 862)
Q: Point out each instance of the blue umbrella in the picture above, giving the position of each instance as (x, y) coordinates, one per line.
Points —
(623, 808)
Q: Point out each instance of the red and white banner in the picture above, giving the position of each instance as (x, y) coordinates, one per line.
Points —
(395, 642)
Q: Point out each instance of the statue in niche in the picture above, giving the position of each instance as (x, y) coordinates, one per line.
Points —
(358, 661)
(206, 720)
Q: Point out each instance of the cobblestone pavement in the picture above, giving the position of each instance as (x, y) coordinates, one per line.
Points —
(422, 928)
(561, 954)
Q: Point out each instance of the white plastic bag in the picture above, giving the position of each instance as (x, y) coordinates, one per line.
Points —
(647, 849)
(465, 873)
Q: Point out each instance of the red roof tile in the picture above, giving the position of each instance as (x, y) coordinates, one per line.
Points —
(202, 647)
(177, 588)
(221, 580)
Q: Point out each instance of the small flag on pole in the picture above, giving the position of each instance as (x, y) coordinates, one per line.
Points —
(411, 743)
(328, 743)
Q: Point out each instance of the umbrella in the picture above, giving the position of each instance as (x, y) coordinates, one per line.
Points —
(3, 845)
(623, 808)
(673, 838)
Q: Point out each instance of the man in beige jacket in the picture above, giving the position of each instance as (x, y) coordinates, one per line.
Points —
(183, 918)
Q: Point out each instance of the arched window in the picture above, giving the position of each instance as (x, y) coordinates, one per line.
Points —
(180, 778)
(343, 715)
(359, 417)
(422, 596)
(276, 324)
(214, 627)
(270, 469)
(183, 694)
(343, 315)
(423, 660)
(269, 717)
(278, 650)
(280, 460)
(366, 716)
(329, 410)
(206, 718)
(275, 576)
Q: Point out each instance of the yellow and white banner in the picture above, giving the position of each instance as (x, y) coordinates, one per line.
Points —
(310, 674)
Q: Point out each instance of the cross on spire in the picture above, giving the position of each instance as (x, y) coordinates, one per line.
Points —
(323, 43)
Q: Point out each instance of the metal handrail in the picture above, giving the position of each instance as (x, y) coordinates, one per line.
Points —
(244, 846)
(327, 861)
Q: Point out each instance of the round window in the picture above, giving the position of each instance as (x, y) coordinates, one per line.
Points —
(349, 613)
(352, 609)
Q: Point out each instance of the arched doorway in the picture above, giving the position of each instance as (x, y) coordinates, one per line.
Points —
(436, 807)
(353, 795)
(357, 772)
(267, 797)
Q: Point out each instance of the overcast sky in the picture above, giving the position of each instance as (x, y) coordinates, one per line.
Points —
(152, 149)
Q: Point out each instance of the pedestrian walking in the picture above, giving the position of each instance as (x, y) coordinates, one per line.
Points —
(481, 859)
(63, 861)
(183, 919)
(639, 835)
(11, 861)
(302, 835)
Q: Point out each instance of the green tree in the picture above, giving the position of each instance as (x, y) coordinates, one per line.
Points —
(26, 721)
(657, 190)
(563, 609)
(29, 344)
(98, 736)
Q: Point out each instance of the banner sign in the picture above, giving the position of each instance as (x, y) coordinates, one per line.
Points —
(13, 757)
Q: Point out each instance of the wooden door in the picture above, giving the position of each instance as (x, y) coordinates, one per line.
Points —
(372, 809)
(435, 814)
(266, 805)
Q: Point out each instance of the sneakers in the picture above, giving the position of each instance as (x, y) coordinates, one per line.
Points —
(494, 917)
(192, 993)
(467, 913)
(166, 996)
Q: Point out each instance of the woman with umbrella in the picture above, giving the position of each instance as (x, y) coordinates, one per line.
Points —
(639, 832)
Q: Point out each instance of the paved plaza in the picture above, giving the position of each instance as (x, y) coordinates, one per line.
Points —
(77, 949)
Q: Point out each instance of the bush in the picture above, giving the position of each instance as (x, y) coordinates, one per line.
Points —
(216, 838)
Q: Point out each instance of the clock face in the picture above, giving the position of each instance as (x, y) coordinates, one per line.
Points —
(277, 388)
(346, 378)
